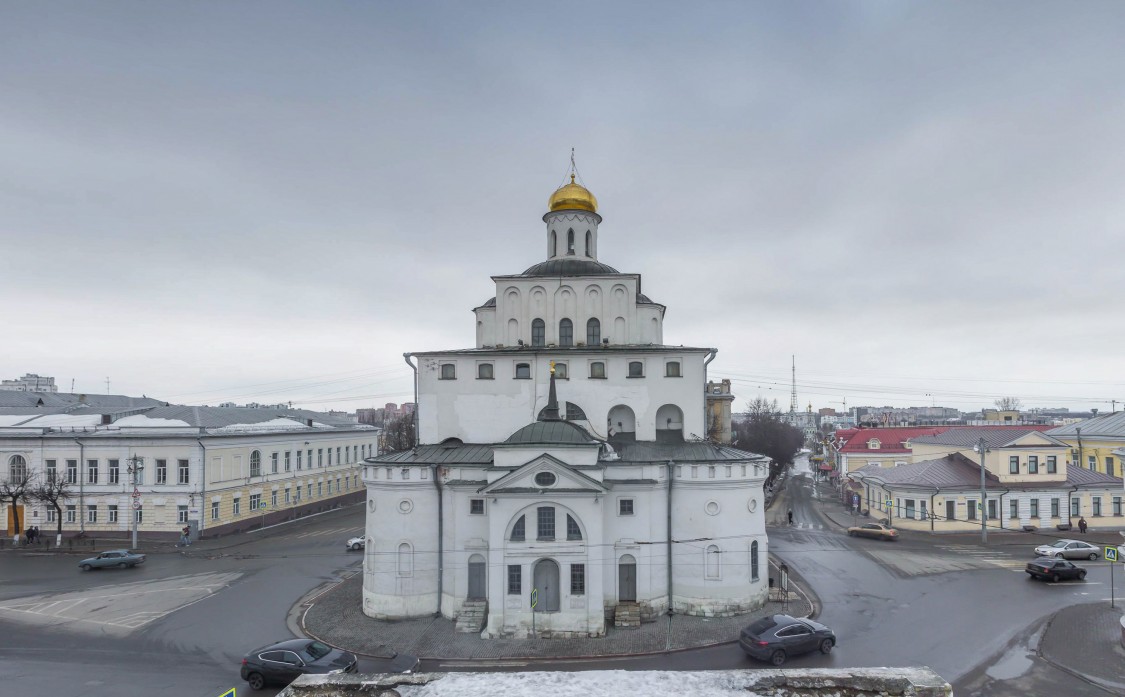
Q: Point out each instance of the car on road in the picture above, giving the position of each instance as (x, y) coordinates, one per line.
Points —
(1069, 549)
(356, 543)
(283, 662)
(777, 637)
(1054, 570)
(875, 530)
(119, 558)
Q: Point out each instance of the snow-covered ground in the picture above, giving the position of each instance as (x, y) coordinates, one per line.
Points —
(584, 684)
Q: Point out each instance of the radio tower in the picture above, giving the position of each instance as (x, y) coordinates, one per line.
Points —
(793, 395)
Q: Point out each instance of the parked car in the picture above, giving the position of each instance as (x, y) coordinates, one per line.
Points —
(356, 543)
(778, 637)
(119, 558)
(1054, 570)
(1069, 549)
(283, 662)
(875, 530)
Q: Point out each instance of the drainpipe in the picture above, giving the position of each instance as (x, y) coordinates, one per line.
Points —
(933, 516)
(440, 531)
(1000, 512)
(706, 416)
(406, 357)
(203, 496)
(671, 476)
(81, 487)
(1078, 430)
(1069, 520)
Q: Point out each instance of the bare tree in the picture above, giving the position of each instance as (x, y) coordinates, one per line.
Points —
(53, 492)
(398, 435)
(15, 488)
(1008, 404)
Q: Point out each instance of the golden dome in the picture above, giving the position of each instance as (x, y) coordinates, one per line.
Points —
(572, 196)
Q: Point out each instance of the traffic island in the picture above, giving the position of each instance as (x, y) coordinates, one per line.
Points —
(335, 617)
(1085, 641)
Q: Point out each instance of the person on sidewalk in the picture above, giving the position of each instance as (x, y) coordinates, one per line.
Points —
(38, 536)
(185, 537)
(1082, 525)
(790, 516)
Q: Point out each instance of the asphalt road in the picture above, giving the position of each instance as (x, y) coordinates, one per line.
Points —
(179, 625)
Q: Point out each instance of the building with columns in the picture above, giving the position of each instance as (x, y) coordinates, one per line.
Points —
(563, 476)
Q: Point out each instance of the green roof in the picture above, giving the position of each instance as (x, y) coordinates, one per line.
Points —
(551, 432)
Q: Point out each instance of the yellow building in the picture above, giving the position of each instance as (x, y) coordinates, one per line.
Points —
(1093, 441)
(1028, 484)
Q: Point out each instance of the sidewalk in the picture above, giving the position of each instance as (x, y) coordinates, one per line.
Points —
(336, 618)
(1085, 641)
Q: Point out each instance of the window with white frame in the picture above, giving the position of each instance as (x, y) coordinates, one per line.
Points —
(91, 471)
(672, 369)
(597, 370)
(636, 369)
(91, 513)
(236, 507)
(523, 371)
(255, 501)
(114, 471)
(181, 514)
(448, 371)
(256, 464)
(476, 506)
(1013, 464)
(287, 461)
(111, 512)
(184, 471)
(273, 463)
(71, 513)
(214, 510)
(625, 507)
(161, 471)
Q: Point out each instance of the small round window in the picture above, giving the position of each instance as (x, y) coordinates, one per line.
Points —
(546, 479)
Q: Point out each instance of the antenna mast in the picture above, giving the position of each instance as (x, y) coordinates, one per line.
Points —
(793, 394)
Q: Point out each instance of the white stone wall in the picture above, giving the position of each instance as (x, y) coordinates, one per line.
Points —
(488, 411)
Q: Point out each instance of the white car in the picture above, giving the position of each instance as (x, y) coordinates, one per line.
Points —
(1069, 549)
(356, 543)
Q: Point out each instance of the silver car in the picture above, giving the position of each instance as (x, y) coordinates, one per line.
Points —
(1069, 549)
(356, 543)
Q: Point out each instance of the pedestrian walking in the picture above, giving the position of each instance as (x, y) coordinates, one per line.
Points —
(790, 516)
(29, 536)
(38, 537)
(1082, 525)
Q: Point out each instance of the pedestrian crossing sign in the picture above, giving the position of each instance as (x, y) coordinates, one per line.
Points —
(1111, 554)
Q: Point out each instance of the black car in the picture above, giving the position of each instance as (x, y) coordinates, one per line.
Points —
(1054, 570)
(778, 637)
(284, 661)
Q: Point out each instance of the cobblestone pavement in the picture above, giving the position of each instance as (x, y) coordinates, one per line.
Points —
(1085, 640)
(336, 617)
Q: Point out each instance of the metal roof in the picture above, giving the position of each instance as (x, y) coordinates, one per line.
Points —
(994, 437)
(1083, 477)
(439, 454)
(12, 398)
(951, 471)
(551, 432)
(570, 267)
(1104, 426)
(694, 451)
(533, 350)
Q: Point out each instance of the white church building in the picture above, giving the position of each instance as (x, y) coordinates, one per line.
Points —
(562, 479)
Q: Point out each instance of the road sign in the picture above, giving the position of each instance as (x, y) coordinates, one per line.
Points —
(229, 693)
(855, 499)
(534, 597)
(136, 504)
(1111, 554)
(889, 503)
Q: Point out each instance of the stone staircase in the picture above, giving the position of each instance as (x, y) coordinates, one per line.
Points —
(472, 617)
(627, 615)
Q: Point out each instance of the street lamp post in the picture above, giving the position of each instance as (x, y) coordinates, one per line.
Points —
(983, 494)
(136, 465)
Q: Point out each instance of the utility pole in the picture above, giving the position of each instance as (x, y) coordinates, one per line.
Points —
(107, 385)
(136, 465)
(983, 496)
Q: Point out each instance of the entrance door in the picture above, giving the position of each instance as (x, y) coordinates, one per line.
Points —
(950, 510)
(477, 578)
(12, 511)
(627, 579)
(546, 577)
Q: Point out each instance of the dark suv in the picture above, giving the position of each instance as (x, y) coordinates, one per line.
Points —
(777, 637)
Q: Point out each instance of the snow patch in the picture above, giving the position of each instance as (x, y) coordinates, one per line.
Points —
(649, 683)
(142, 420)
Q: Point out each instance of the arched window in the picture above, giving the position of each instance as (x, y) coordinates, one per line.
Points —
(538, 333)
(17, 469)
(566, 332)
(554, 244)
(754, 560)
(518, 534)
(711, 565)
(589, 246)
(636, 369)
(593, 332)
(597, 369)
(523, 371)
(484, 371)
(570, 241)
(573, 532)
(255, 464)
(405, 560)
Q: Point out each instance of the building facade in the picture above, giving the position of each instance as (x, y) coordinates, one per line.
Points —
(1094, 442)
(215, 470)
(563, 475)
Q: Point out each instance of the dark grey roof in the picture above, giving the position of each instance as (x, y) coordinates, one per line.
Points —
(219, 417)
(694, 451)
(551, 432)
(1106, 426)
(642, 298)
(12, 398)
(949, 472)
(438, 454)
(491, 302)
(532, 350)
(1078, 476)
(631, 481)
(994, 437)
(570, 266)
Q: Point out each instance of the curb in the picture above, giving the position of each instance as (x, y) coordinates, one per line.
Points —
(309, 602)
(1095, 682)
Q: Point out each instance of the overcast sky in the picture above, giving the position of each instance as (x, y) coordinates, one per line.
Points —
(270, 201)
